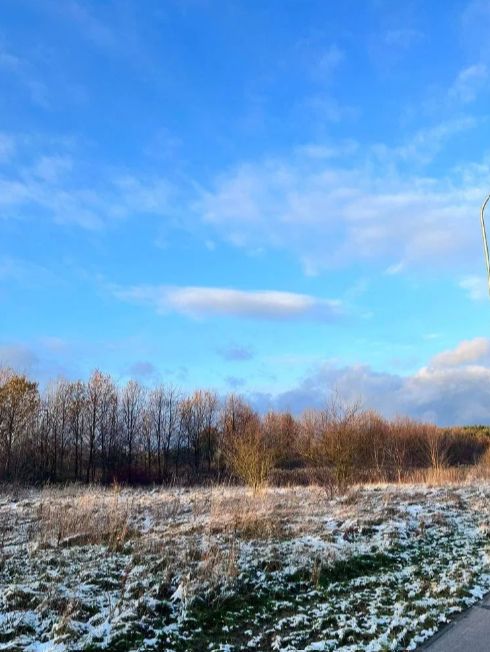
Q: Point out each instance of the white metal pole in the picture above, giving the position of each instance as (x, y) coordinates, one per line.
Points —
(484, 236)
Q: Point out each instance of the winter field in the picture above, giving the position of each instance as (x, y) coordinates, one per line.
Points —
(380, 567)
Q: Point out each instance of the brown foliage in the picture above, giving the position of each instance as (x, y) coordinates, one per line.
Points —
(96, 431)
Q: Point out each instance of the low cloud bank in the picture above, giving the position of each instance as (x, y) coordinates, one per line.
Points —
(453, 389)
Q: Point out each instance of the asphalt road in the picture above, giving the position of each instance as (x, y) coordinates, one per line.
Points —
(468, 633)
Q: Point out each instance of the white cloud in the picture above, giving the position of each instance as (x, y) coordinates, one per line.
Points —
(57, 187)
(456, 392)
(396, 268)
(321, 151)
(25, 76)
(328, 109)
(329, 60)
(389, 48)
(328, 213)
(143, 195)
(468, 83)
(425, 144)
(432, 336)
(475, 286)
(90, 26)
(9, 61)
(7, 146)
(467, 351)
(206, 301)
(51, 169)
(475, 23)
(25, 272)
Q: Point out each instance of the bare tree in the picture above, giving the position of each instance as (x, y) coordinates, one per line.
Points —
(105, 435)
(281, 433)
(333, 437)
(19, 400)
(163, 406)
(56, 406)
(100, 390)
(96, 432)
(436, 445)
(77, 393)
(210, 415)
(132, 403)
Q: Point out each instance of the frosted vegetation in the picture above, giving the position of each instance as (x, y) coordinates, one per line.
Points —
(377, 567)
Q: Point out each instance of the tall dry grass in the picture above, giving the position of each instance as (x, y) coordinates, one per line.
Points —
(75, 516)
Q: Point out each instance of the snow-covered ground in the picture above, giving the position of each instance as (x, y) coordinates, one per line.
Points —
(380, 568)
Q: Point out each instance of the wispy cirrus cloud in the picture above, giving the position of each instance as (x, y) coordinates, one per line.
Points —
(468, 83)
(423, 145)
(25, 272)
(334, 212)
(25, 75)
(389, 48)
(474, 23)
(476, 287)
(208, 302)
(89, 24)
(7, 146)
(54, 182)
(328, 61)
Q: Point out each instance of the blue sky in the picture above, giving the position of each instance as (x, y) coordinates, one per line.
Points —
(277, 198)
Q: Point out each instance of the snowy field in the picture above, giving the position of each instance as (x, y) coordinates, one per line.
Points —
(380, 568)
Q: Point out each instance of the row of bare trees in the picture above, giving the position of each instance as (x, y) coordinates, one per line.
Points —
(96, 431)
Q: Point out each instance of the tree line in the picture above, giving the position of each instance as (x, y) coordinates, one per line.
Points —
(97, 431)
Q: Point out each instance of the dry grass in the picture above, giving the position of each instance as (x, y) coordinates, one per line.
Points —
(85, 516)
(447, 475)
(207, 553)
(249, 516)
(76, 515)
(179, 523)
(485, 461)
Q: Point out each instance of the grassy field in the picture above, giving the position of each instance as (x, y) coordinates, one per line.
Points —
(380, 567)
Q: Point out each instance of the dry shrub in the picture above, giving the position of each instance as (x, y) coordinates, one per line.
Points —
(301, 477)
(250, 459)
(90, 517)
(344, 444)
(331, 439)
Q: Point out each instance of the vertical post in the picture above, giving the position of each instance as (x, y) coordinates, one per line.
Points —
(484, 236)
